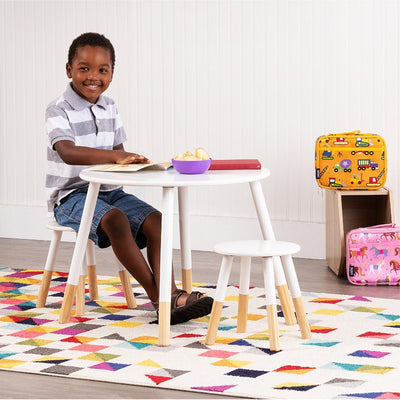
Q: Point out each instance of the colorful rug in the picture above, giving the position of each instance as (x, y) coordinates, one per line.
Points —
(354, 352)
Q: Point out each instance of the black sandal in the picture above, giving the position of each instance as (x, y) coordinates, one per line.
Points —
(196, 306)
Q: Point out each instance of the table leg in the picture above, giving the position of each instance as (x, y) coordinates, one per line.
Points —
(268, 234)
(184, 224)
(164, 317)
(79, 252)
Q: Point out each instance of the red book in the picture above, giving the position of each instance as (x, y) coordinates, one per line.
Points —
(240, 163)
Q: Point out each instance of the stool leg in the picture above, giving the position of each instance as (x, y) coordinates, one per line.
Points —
(297, 299)
(219, 298)
(126, 285)
(283, 292)
(92, 270)
(243, 294)
(48, 269)
(269, 283)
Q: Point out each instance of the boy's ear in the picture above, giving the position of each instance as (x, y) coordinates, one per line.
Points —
(68, 70)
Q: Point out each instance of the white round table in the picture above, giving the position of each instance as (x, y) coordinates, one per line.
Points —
(168, 181)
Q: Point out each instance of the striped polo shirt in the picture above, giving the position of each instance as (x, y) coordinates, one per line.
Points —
(70, 117)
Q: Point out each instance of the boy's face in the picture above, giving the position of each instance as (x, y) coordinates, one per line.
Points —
(91, 72)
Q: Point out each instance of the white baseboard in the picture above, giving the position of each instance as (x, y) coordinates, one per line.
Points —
(24, 222)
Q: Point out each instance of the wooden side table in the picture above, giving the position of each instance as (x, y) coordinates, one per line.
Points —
(349, 209)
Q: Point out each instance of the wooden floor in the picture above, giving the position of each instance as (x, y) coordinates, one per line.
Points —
(314, 275)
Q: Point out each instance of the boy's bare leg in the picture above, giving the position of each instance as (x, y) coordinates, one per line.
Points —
(116, 225)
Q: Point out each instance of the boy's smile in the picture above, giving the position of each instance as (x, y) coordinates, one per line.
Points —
(91, 72)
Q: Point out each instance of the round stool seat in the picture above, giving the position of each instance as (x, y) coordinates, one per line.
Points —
(55, 226)
(256, 248)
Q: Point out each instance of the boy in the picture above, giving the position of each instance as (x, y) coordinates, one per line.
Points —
(84, 128)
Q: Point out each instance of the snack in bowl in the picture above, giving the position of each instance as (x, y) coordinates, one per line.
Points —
(189, 163)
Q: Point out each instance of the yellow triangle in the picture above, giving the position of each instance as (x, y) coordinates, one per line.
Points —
(6, 319)
(258, 336)
(42, 329)
(26, 297)
(19, 280)
(290, 384)
(232, 298)
(224, 340)
(324, 311)
(145, 339)
(51, 358)
(125, 324)
(226, 362)
(149, 363)
(9, 364)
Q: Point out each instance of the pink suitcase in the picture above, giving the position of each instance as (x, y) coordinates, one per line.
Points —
(373, 255)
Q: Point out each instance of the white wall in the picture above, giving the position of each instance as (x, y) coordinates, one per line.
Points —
(245, 79)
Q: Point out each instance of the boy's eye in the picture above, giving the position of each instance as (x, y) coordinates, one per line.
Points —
(83, 68)
(103, 70)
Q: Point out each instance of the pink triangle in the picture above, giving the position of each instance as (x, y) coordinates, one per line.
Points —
(389, 395)
(219, 389)
(359, 298)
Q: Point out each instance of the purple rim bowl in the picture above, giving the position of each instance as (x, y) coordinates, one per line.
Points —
(191, 167)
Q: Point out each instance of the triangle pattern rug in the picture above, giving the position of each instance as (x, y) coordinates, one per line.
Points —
(354, 352)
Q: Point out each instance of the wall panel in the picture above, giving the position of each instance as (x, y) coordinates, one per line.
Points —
(244, 79)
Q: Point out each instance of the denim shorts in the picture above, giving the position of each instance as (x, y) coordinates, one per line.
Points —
(69, 213)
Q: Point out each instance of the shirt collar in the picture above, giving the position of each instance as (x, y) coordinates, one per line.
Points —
(78, 103)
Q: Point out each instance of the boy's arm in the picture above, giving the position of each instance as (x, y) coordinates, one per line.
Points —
(80, 155)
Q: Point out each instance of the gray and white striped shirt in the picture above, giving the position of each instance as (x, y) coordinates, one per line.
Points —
(70, 117)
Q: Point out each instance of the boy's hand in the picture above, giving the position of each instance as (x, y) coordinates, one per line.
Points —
(123, 157)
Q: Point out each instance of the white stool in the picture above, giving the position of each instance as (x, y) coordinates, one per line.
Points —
(91, 269)
(267, 250)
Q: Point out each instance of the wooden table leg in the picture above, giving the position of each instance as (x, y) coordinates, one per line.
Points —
(79, 253)
(164, 317)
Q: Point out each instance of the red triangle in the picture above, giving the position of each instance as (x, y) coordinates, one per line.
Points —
(71, 339)
(188, 335)
(16, 318)
(158, 379)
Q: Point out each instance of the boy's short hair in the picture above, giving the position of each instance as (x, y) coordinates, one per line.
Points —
(91, 39)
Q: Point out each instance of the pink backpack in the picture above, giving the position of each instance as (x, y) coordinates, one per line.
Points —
(373, 255)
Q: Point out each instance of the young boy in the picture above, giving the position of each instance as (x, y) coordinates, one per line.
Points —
(84, 128)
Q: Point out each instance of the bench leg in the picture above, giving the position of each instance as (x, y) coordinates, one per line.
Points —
(296, 295)
(219, 298)
(243, 294)
(48, 269)
(269, 283)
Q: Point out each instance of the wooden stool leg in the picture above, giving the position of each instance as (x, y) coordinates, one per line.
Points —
(219, 298)
(243, 294)
(92, 270)
(48, 269)
(124, 276)
(67, 304)
(297, 299)
(269, 283)
(283, 292)
(127, 288)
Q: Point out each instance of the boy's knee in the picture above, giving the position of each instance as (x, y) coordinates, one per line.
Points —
(151, 226)
(113, 220)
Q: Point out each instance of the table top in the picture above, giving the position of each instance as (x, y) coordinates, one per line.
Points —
(172, 178)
